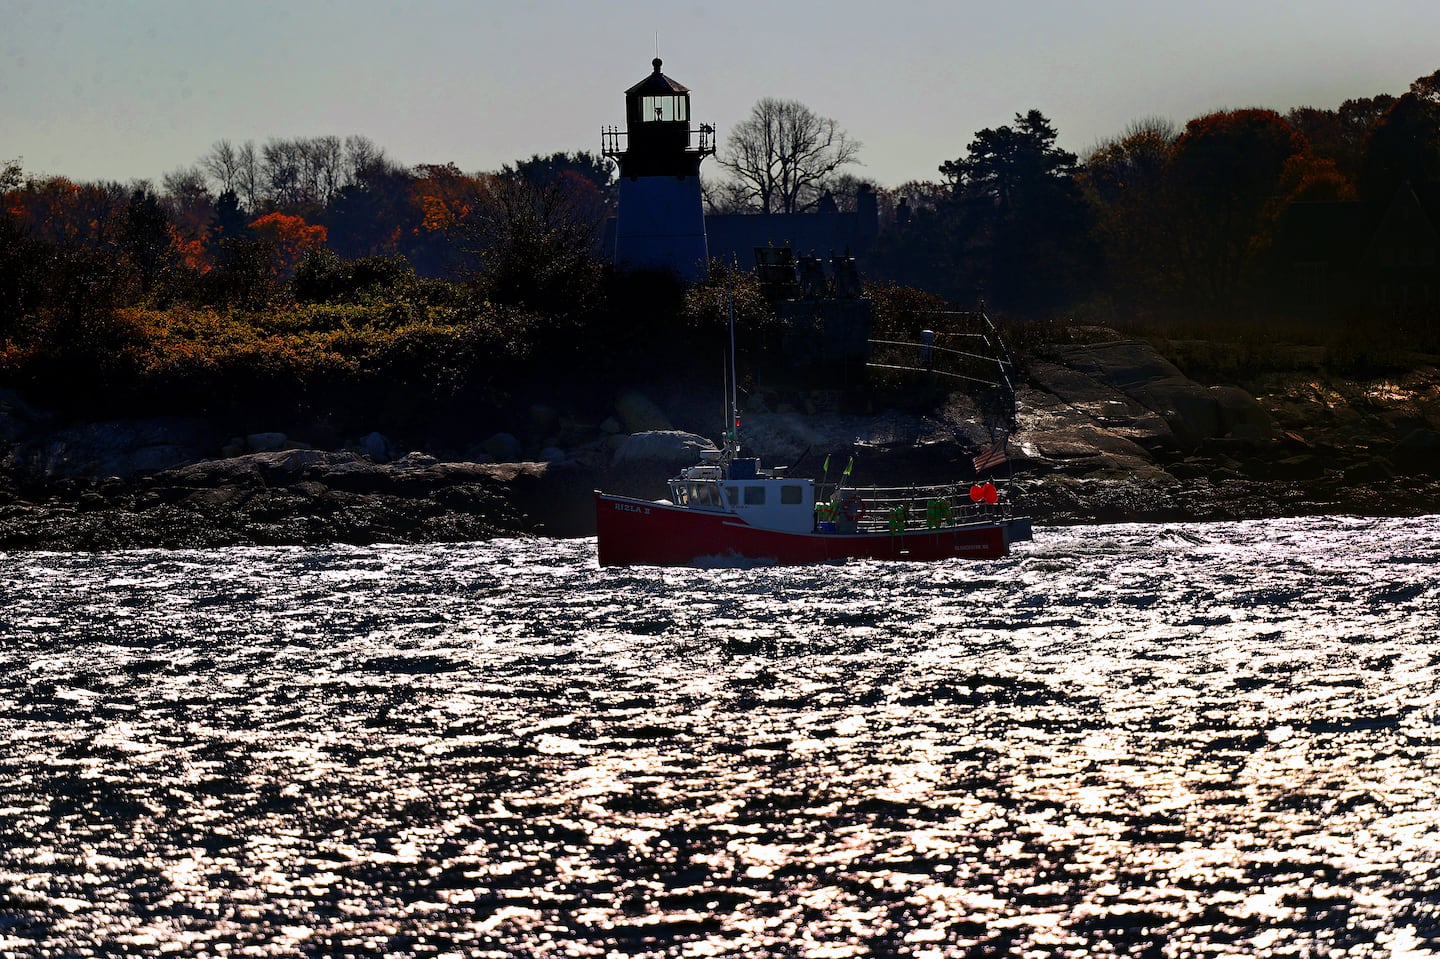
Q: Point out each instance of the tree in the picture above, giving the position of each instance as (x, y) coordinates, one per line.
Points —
(11, 175)
(362, 156)
(60, 211)
(1427, 87)
(280, 170)
(228, 223)
(146, 237)
(1403, 146)
(1012, 164)
(1017, 220)
(248, 175)
(534, 243)
(191, 209)
(23, 261)
(540, 170)
(222, 163)
(290, 236)
(725, 196)
(1124, 181)
(375, 214)
(1228, 175)
(784, 153)
(1339, 135)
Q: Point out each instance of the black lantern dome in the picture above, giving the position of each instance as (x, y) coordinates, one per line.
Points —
(657, 130)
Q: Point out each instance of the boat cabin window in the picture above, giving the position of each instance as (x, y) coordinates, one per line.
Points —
(754, 496)
(732, 494)
(791, 495)
(697, 494)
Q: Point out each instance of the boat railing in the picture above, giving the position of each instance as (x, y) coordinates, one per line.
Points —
(898, 509)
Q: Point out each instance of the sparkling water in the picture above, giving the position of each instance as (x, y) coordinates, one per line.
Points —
(1142, 740)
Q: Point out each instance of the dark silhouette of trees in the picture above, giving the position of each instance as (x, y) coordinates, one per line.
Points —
(301, 173)
(1125, 182)
(1403, 146)
(1011, 165)
(782, 155)
(146, 238)
(375, 215)
(540, 170)
(1227, 183)
(23, 267)
(1154, 219)
(533, 243)
(228, 223)
(1339, 135)
(222, 164)
(1019, 225)
(1427, 87)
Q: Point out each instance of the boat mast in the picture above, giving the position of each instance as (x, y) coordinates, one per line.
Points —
(732, 417)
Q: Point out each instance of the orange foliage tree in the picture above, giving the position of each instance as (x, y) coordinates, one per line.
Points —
(291, 237)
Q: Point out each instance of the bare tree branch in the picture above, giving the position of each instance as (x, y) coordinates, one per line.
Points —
(783, 154)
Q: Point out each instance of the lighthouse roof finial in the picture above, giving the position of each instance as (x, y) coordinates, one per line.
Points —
(657, 84)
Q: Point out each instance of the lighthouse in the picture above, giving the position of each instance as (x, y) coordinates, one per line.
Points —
(659, 217)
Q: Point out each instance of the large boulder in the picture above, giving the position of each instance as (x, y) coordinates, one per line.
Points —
(1087, 450)
(1135, 369)
(1419, 451)
(116, 448)
(1069, 399)
(502, 448)
(644, 462)
(377, 446)
(265, 442)
(1241, 415)
(662, 446)
(638, 414)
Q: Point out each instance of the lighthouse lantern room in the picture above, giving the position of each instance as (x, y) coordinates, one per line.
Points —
(660, 217)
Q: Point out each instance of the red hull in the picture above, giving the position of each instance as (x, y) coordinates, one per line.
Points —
(639, 532)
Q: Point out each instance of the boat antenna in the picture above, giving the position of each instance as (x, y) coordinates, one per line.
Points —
(725, 399)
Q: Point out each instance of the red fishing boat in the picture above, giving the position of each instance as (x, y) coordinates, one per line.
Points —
(728, 508)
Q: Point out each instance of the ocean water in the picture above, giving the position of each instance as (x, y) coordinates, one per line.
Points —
(1185, 740)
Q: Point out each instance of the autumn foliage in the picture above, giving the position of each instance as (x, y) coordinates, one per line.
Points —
(319, 278)
(290, 237)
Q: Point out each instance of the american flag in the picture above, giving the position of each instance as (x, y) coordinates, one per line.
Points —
(991, 458)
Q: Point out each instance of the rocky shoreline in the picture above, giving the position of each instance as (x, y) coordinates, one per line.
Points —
(1109, 432)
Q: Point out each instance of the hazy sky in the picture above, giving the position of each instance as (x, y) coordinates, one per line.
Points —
(135, 88)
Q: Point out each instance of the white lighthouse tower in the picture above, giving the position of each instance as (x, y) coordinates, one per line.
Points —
(660, 218)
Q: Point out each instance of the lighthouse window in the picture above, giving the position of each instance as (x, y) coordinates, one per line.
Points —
(663, 108)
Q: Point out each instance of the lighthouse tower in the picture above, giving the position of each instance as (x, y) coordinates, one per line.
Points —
(659, 219)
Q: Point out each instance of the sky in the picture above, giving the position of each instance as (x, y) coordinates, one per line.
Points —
(132, 89)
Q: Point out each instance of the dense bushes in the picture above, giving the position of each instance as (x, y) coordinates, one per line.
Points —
(352, 346)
